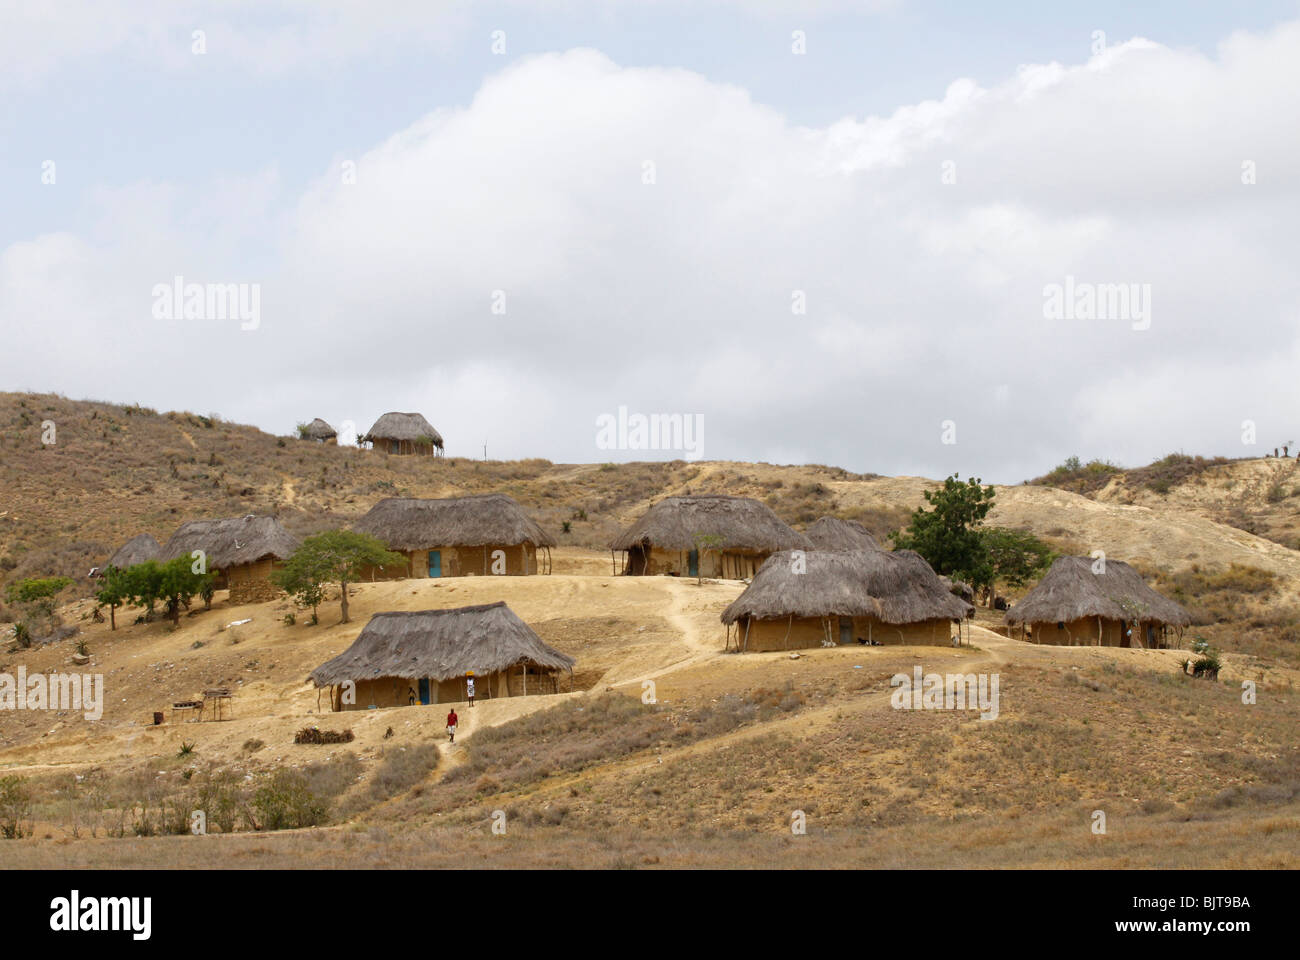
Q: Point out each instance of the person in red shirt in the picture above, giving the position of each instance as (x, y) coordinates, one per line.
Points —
(451, 724)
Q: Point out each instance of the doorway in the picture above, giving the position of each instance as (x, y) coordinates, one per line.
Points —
(435, 563)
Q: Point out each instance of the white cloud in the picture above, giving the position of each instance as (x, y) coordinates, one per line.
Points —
(924, 298)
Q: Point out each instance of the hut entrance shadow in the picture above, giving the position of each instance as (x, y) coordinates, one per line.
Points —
(638, 559)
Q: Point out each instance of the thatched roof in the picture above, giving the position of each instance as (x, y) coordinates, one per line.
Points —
(895, 587)
(441, 644)
(492, 519)
(229, 543)
(402, 426)
(318, 429)
(742, 523)
(1071, 591)
(832, 533)
(136, 550)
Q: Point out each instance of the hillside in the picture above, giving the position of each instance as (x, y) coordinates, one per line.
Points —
(115, 471)
(710, 774)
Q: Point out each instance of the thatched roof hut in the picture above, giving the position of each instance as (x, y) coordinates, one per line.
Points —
(492, 519)
(832, 533)
(741, 522)
(138, 549)
(894, 587)
(432, 651)
(319, 430)
(403, 433)
(233, 542)
(745, 531)
(1070, 592)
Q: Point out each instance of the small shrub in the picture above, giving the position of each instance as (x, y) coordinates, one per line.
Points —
(15, 808)
(315, 735)
(287, 802)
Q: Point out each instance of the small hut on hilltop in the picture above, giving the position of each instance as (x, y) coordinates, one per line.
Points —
(425, 656)
(825, 598)
(1112, 607)
(832, 533)
(320, 431)
(459, 536)
(666, 540)
(403, 434)
(242, 551)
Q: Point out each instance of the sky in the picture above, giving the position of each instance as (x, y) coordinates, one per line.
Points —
(895, 236)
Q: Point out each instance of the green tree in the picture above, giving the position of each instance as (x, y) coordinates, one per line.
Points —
(180, 584)
(143, 584)
(114, 591)
(173, 584)
(36, 598)
(38, 595)
(1015, 556)
(949, 534)
(336, 556)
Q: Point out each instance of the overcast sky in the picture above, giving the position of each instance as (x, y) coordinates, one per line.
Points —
(829, 230)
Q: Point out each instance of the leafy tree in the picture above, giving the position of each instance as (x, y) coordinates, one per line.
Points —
(143, 582)
(949, 535)
(305, 582)
(38, 595)
(173, 584)
(180, 584)
(37, 598)
(1015, 556)
(114, 591)
(336, 556)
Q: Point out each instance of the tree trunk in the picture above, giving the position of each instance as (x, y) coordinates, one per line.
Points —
(343, 584)
(112, 616)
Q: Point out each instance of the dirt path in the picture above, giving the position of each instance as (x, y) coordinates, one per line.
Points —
(703, 646)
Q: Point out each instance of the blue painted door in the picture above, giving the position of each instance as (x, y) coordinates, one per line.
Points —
(693, 563)
(424, 689)
(435, 563)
